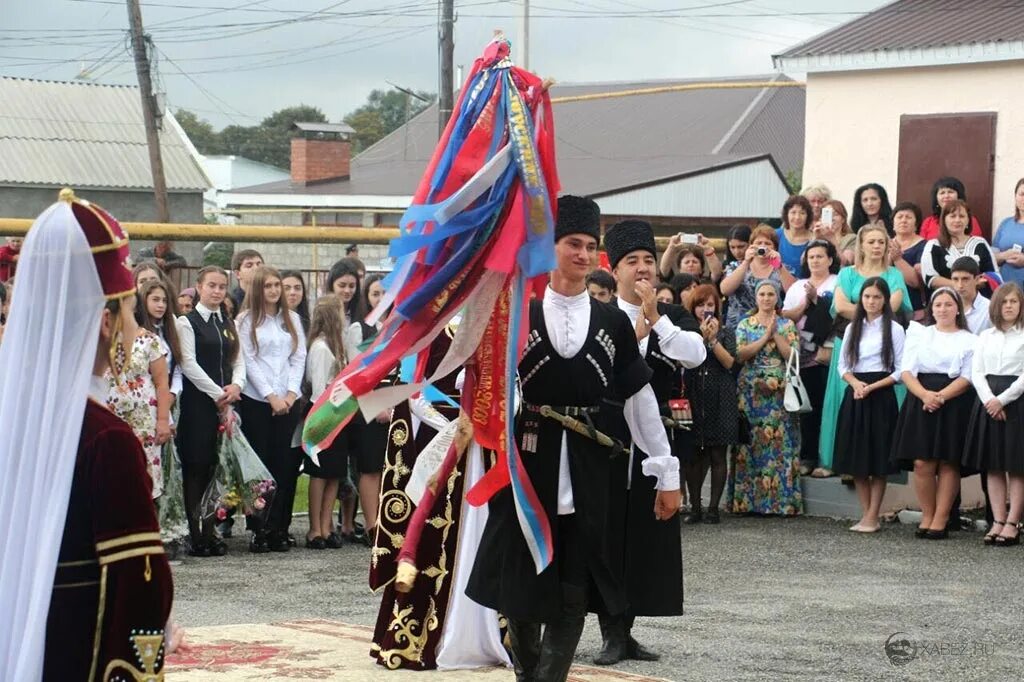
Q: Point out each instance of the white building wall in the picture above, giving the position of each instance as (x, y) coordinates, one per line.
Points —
(853, 122)
(744, 191)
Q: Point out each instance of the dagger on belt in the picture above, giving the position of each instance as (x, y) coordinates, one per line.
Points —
(584, 429)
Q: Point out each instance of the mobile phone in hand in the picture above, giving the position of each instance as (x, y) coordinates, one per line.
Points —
(826, 216)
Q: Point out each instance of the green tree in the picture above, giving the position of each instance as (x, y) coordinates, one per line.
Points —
(384, 112)
(199, 130)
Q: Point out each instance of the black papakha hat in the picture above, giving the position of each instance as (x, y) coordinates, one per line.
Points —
(627, 236)
(578, 215)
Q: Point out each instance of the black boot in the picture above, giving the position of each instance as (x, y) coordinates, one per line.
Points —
(524, 640)
(634, 649)
(613, 636)
(562, 636)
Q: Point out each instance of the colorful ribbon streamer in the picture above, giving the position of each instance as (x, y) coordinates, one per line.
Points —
(478, 236)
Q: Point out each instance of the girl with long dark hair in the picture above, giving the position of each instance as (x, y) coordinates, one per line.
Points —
(932, 426)
(344, 282)
(294, 288)
(871, 207)
(155, 312)
(274, 348)
(872, 260)
(871, 354)
(369, 438)
(214, 370)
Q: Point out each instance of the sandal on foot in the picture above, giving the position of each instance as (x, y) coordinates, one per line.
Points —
(1004, 541)
(990, 537)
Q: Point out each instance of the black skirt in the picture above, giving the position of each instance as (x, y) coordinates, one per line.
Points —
(333, 460)
(864, 430)
(370, 441)
(996, 445)
(933, 436)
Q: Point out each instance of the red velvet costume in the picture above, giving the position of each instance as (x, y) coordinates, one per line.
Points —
(409, 626)
(112, 590)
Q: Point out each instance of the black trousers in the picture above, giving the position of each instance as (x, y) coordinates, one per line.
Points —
(815, 380)
(270, 436)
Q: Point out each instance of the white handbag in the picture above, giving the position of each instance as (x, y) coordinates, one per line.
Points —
(796, 399)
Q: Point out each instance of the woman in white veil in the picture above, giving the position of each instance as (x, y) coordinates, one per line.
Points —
(75, 296)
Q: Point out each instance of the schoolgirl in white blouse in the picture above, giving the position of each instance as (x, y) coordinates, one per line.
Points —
(869, 363)
(275, 360)
(933, 420)
(995, 442)
(214, 375)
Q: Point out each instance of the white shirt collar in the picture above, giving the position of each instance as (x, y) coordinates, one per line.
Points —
(980, 303)
(627, 306)
(580, 300)
(205, 312)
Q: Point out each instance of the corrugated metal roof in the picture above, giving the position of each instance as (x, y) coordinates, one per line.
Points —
(84, 135)
(609, 144)
(908, 24)
(323, 127)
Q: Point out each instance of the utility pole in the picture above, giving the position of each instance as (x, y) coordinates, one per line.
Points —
(140, 42)
(525, 60)
(446, 88)
(408, 102)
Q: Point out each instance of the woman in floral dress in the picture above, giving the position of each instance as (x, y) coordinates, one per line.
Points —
(766, 476)
(140, 395)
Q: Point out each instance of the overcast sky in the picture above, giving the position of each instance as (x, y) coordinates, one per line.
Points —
(246, 58)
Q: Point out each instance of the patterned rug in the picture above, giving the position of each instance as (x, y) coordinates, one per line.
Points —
(316, 650)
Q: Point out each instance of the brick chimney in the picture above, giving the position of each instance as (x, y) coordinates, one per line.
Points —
(321, 151)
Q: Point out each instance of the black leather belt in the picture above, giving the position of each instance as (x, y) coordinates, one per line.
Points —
(573, 411)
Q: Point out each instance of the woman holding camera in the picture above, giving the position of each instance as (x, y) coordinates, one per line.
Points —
(691, 254)
(760, 262)
(711, 390)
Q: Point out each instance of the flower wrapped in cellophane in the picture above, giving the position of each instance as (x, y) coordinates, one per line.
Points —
(171, 503)
(240, 480)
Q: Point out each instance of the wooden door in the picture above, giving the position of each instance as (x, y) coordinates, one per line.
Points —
(936, 145)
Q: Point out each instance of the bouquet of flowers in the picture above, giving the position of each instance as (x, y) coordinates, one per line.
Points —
(240, 479)
(171, 503)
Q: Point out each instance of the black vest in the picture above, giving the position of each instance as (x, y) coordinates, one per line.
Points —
(549, 379)
(213, 348)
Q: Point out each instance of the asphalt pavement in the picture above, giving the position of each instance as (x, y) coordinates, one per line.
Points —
(766, 599)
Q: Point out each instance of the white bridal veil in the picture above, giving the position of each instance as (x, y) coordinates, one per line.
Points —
(46, 362)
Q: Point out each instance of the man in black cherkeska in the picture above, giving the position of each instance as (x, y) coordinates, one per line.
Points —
(646, 553)
(579, 352)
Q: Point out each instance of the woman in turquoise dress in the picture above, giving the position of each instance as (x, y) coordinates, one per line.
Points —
(872, 260)
(766, 473)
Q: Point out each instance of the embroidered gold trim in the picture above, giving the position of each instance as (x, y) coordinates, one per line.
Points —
(99, 623)
(130, 554)
(85, 584)
(127, 540)
(83, 562)
(148, 649)
(120, 294)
